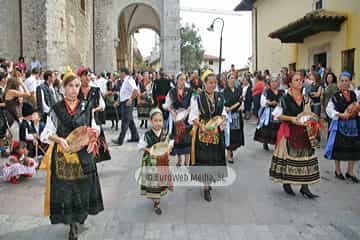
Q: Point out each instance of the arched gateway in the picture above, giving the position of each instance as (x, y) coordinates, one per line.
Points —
(121, 18)
(96, 33)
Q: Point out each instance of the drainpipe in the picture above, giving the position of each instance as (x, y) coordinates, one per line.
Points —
(21, 29)
(256, 38)
(93, 19)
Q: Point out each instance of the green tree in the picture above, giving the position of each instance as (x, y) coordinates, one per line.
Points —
(192, 51)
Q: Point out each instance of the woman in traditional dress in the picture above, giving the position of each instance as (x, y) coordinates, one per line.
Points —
(266, 131)
(150, 164)
(90, 97)
(343, 144)
(247, 96)
(256, 93)
(330, 89)
(72, 185)
(294, 160)
(233, 103)
(315, 93)
(178, 100)
(111, 99)
(208, 144)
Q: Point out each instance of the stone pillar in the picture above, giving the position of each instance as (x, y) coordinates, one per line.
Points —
(170, 37)
(9, 29)
(56, 40)
(104, 36)
(34, 30)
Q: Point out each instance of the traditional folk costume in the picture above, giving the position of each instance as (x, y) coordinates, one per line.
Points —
(155, 166)
(234, 100)
(161, 88)
(28, 133)
(294, 160)
(111, 109)
(18, 165)
(266, 131)
(208, 148)
(91, 101)
(72, 185)
(179, 130)
(344, 140)
(315, 101)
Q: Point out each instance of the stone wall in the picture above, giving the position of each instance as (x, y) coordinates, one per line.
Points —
(79, 34)
(34, 30)
(9, 29)
(104, 36)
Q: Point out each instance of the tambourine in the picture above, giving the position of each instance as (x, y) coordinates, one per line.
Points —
(78, 139)
(353, 110)
(159, 149)
(304, 117)
(181, 115)
(215, 122)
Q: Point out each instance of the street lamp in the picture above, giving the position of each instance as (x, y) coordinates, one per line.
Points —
(211, 29)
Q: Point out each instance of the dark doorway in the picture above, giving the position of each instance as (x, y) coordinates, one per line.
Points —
(320, 58)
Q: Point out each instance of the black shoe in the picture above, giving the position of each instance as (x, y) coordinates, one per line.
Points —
(352, 178)
(133, 140)
(287, 188)
(305, 191)
(266, 147)
(207, 195)
(157, 209)
(339, 176)
(231, 161)
(117, 142)
(73, 234)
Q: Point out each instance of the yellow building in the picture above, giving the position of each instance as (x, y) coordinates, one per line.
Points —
(300, 33)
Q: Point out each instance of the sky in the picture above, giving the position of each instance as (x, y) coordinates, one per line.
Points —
(236, 35)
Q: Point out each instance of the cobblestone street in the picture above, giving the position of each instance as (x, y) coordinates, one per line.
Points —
(252, 208)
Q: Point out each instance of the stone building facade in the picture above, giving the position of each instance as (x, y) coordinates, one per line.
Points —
(75, 32)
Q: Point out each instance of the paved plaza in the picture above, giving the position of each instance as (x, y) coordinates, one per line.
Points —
(253, 208)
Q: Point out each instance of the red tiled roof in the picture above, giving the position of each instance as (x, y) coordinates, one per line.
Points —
(310, 24)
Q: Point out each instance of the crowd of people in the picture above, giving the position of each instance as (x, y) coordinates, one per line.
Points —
(54, 121)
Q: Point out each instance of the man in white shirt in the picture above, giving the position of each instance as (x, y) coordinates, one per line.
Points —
(128, 92)
(101, 83)
(31, 82)
(35, 63)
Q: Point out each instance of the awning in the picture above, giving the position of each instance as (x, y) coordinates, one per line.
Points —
(245, 5)
(312, 23)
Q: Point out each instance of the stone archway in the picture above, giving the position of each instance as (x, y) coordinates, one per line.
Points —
(132, 18)
(163, 17)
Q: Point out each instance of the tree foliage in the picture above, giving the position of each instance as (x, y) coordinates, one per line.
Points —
(192, 51)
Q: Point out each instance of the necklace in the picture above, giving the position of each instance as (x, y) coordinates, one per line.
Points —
(210, 102)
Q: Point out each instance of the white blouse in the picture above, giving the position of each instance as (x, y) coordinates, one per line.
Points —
(194, 110)
(51, 126)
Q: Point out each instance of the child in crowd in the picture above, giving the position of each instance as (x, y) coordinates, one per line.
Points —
(18, 165)
(28, 133)
(155, 189)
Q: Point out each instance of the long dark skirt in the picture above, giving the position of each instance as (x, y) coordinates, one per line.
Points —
(212, 158)
(256, 103)
(71, 201)
(294, 161)
(267, 134)
(111, 113)
(104, 153)
(346, 148)
(237, 138)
